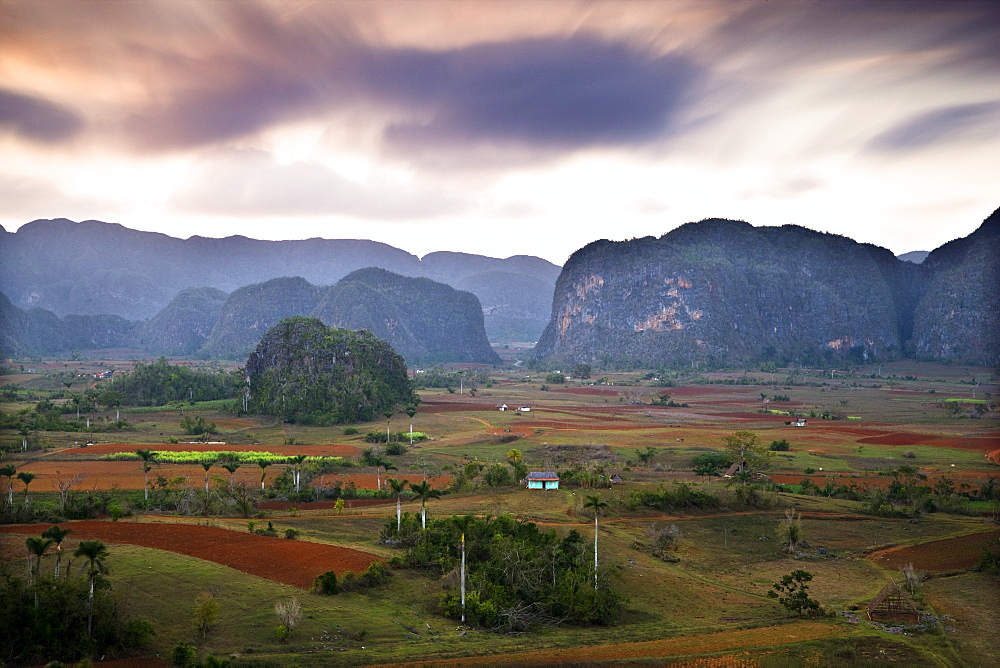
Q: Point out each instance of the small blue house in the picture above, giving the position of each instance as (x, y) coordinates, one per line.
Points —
(543, 480)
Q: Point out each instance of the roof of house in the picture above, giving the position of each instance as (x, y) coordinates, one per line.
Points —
(542, 475)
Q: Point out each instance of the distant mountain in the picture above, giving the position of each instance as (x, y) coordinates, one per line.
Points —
(958, 317)
(252, 310)
(185, 324)
(518, 304)
(101, 268)
(916, 257)
(425, 321)
(36, 331)
(722, 291)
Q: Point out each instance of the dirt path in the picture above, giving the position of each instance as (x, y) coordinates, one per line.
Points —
(702, 643)
(292, 562)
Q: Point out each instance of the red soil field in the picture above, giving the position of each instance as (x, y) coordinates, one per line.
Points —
(454, 406)
(590, 391)
(322, 505)
(938, 556)
(292, 562)
(289, 450)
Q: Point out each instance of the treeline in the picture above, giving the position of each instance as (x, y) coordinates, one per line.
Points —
(518, 577)
(159, 383)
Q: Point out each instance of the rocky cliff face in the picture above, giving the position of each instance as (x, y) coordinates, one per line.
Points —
(727, 292)
(958, 317)
(303, 371)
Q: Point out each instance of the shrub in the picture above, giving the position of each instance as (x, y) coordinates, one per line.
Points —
(282, 634)
(291, 534)
(326, 584)
(183, 655)
(350, 431)
(205, 613)
(780, 446)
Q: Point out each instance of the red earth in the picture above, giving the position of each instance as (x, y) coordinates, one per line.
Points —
(322, 505)
(938, 556)
(329, 450)
(292, 562)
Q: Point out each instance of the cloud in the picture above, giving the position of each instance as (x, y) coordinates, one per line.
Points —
(26, 197)
(964, 122)
(36, 119)
(251, 183)
(547, 93)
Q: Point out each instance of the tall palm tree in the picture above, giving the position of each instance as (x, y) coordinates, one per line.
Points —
(26, 478)
(58, 535)
(37, 545)
(206, 464)
(594, 502)
(231, 467)
(462, 524)
(424, 492)
(411, 411)
(263, 464)
(388, 418)
(95, 552)
(148, 459)
(296, 463)
(398, 487)
(382, 463)
(8, 471)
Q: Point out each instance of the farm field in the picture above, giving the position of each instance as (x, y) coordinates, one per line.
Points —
(703, 602)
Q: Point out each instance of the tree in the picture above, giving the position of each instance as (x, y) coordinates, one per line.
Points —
(8, 471)
(37, 546)
(148, 459)
(206, 464)
(411, 410)
(95, 552)
(646, 456)
(581, 371)
(424, 493)
(462, 524)
(398, 487)
(747, 450)
(263, 464)
(594, 503)
(205, 613)
(793, 593)
(231, 467)
(790, 530)
(58, 535)
(388, 420)
(26, 478)
(296, 463)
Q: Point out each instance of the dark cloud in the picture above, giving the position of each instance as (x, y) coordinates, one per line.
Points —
(36, 119)
(943, 125)
(563, 93)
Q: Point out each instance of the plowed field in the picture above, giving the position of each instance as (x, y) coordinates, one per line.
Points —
(292, 562)
(938, 556)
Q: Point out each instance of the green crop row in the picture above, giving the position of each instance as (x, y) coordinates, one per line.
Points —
(191, 457)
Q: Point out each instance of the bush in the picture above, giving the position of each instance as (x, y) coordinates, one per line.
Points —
(291, 534)
(326, 584)
(282, 634)
(780, 446)
(183, 655)
(350, 431)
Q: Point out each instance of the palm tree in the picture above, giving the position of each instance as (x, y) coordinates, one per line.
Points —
(424, 492)
(462, 524)
(207, 464)
(594, 502)
(398, 487)
(148, 459)
(26, 478)
(94, 551)
(263, 464)
(58, 535)
(411, 411)
(296, 463)
(231, 467)
(37, 545)
(8, 471)
(380, 464)
(388, 418)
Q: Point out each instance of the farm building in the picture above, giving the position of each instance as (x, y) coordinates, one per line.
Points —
(893, 605)
(501, 407)
(543, 480)
(525, 409)
(616, 479)
(800, 422)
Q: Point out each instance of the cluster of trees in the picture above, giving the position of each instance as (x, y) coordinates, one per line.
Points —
(475, 473)
(60, 616)
(517, 576)
(160, 382)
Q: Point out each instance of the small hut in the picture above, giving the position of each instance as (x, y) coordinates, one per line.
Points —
(893, 605)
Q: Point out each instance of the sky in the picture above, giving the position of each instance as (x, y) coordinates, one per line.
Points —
(501, 127)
